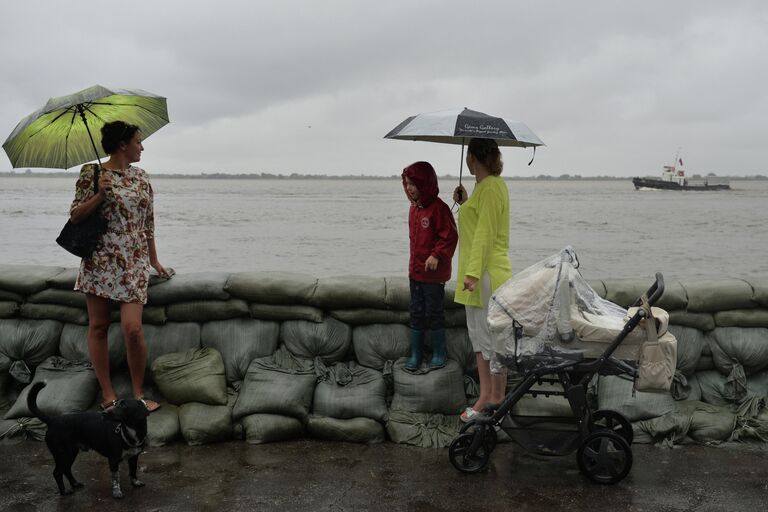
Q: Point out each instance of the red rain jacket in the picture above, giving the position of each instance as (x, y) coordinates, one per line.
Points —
(431, 226)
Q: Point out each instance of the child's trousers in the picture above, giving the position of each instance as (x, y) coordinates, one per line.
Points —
(426, 307)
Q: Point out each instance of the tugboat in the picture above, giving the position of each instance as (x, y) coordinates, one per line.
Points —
(673, 178)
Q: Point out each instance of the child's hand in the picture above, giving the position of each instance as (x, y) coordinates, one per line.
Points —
(460, 194)
(431, 264)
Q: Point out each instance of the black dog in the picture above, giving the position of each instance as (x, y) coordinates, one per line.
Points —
(118, 433)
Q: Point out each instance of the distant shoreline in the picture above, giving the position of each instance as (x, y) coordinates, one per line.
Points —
(296, 176)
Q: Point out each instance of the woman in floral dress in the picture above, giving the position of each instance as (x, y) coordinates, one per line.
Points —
(118, 270)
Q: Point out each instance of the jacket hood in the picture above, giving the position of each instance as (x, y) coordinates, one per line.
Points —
(423, 175)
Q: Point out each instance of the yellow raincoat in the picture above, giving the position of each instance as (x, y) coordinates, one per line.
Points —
(484, 239)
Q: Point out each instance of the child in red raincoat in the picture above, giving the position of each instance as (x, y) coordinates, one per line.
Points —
(433, 238)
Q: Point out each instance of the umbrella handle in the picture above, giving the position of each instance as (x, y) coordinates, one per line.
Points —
(461, 168)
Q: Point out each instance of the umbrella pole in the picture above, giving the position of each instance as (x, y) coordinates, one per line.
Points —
(461, 164)
(82, 115)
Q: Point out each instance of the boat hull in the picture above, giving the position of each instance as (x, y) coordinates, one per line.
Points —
(640, 183)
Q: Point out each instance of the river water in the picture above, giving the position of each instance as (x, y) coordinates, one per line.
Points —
(327, 227)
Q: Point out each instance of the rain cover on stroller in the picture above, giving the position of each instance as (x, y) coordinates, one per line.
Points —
(550, 306)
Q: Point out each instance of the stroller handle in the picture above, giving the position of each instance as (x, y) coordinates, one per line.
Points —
(655, 292)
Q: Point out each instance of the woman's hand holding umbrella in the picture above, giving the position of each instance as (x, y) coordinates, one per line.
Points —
(460, 194)
(105, 182)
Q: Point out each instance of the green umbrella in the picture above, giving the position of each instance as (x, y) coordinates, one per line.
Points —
(59, 135)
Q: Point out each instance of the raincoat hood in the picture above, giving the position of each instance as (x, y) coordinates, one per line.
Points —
(423, 175)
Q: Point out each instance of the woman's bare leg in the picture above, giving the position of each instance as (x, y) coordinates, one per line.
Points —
(484, 372)
(135, 348)
(98, 346)
(498, 386)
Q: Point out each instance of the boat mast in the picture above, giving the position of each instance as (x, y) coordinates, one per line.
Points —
(677, 158)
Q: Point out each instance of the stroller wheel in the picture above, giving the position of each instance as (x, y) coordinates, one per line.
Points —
(612, 421)
(463, 460)
(604, 457)
(490, 436)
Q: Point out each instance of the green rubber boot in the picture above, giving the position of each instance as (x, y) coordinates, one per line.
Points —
(439, 350)
(417, 349)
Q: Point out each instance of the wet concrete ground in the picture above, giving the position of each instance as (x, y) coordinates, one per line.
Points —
(313, 475)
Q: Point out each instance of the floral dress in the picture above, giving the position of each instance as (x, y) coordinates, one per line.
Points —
(119, 267)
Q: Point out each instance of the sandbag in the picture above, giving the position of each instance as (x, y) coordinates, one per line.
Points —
(742, 318)
(280, 313)
(718, 295)
(71, 387)
(615, 393)
(163, 426)
(196, 375)
(353, 430)
(377, 344)
(347, 390)
(423, 430)
(10, 296)
(240, 341)
(168, 338)
(270, 428)
(739, 352)
(54, 312)
(26, 279)
(31, 341)
(625, 292)
(74, 344)
(541, 405)
(23, 428)
(397, 294)
(278, 384)
(64, 280)
(365, 316)
(329, 340)
(705, 363)
(207, 310)
(708, 425)
(8, 309)
(701, 321)
(203, 424)
(272, 287)
(690, 344)
(69, 298)
(5, 381)
(460, 348)
(712, 386)
(760, 288)
(194, 286)
(349, 292)
(439, 391)
(701, 422)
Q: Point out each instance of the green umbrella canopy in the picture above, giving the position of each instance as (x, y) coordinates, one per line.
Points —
(56, 136)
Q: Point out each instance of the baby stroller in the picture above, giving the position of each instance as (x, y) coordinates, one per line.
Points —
(549, 326)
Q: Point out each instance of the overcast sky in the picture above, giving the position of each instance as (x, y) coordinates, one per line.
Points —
(312, 86)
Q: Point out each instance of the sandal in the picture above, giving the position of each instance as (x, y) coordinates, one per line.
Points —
(469, 414)
(151, 405)
(106, 406)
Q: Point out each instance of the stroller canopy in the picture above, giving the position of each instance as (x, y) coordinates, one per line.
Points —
(550, 305)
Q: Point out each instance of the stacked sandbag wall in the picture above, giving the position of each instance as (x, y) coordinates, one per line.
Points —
(721, 382)
(268, 356)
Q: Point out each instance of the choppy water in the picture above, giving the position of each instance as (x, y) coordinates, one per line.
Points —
(337, 227)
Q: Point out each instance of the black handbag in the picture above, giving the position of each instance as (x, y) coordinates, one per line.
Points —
(81, 239)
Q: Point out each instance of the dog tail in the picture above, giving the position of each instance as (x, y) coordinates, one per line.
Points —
(32, 402)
